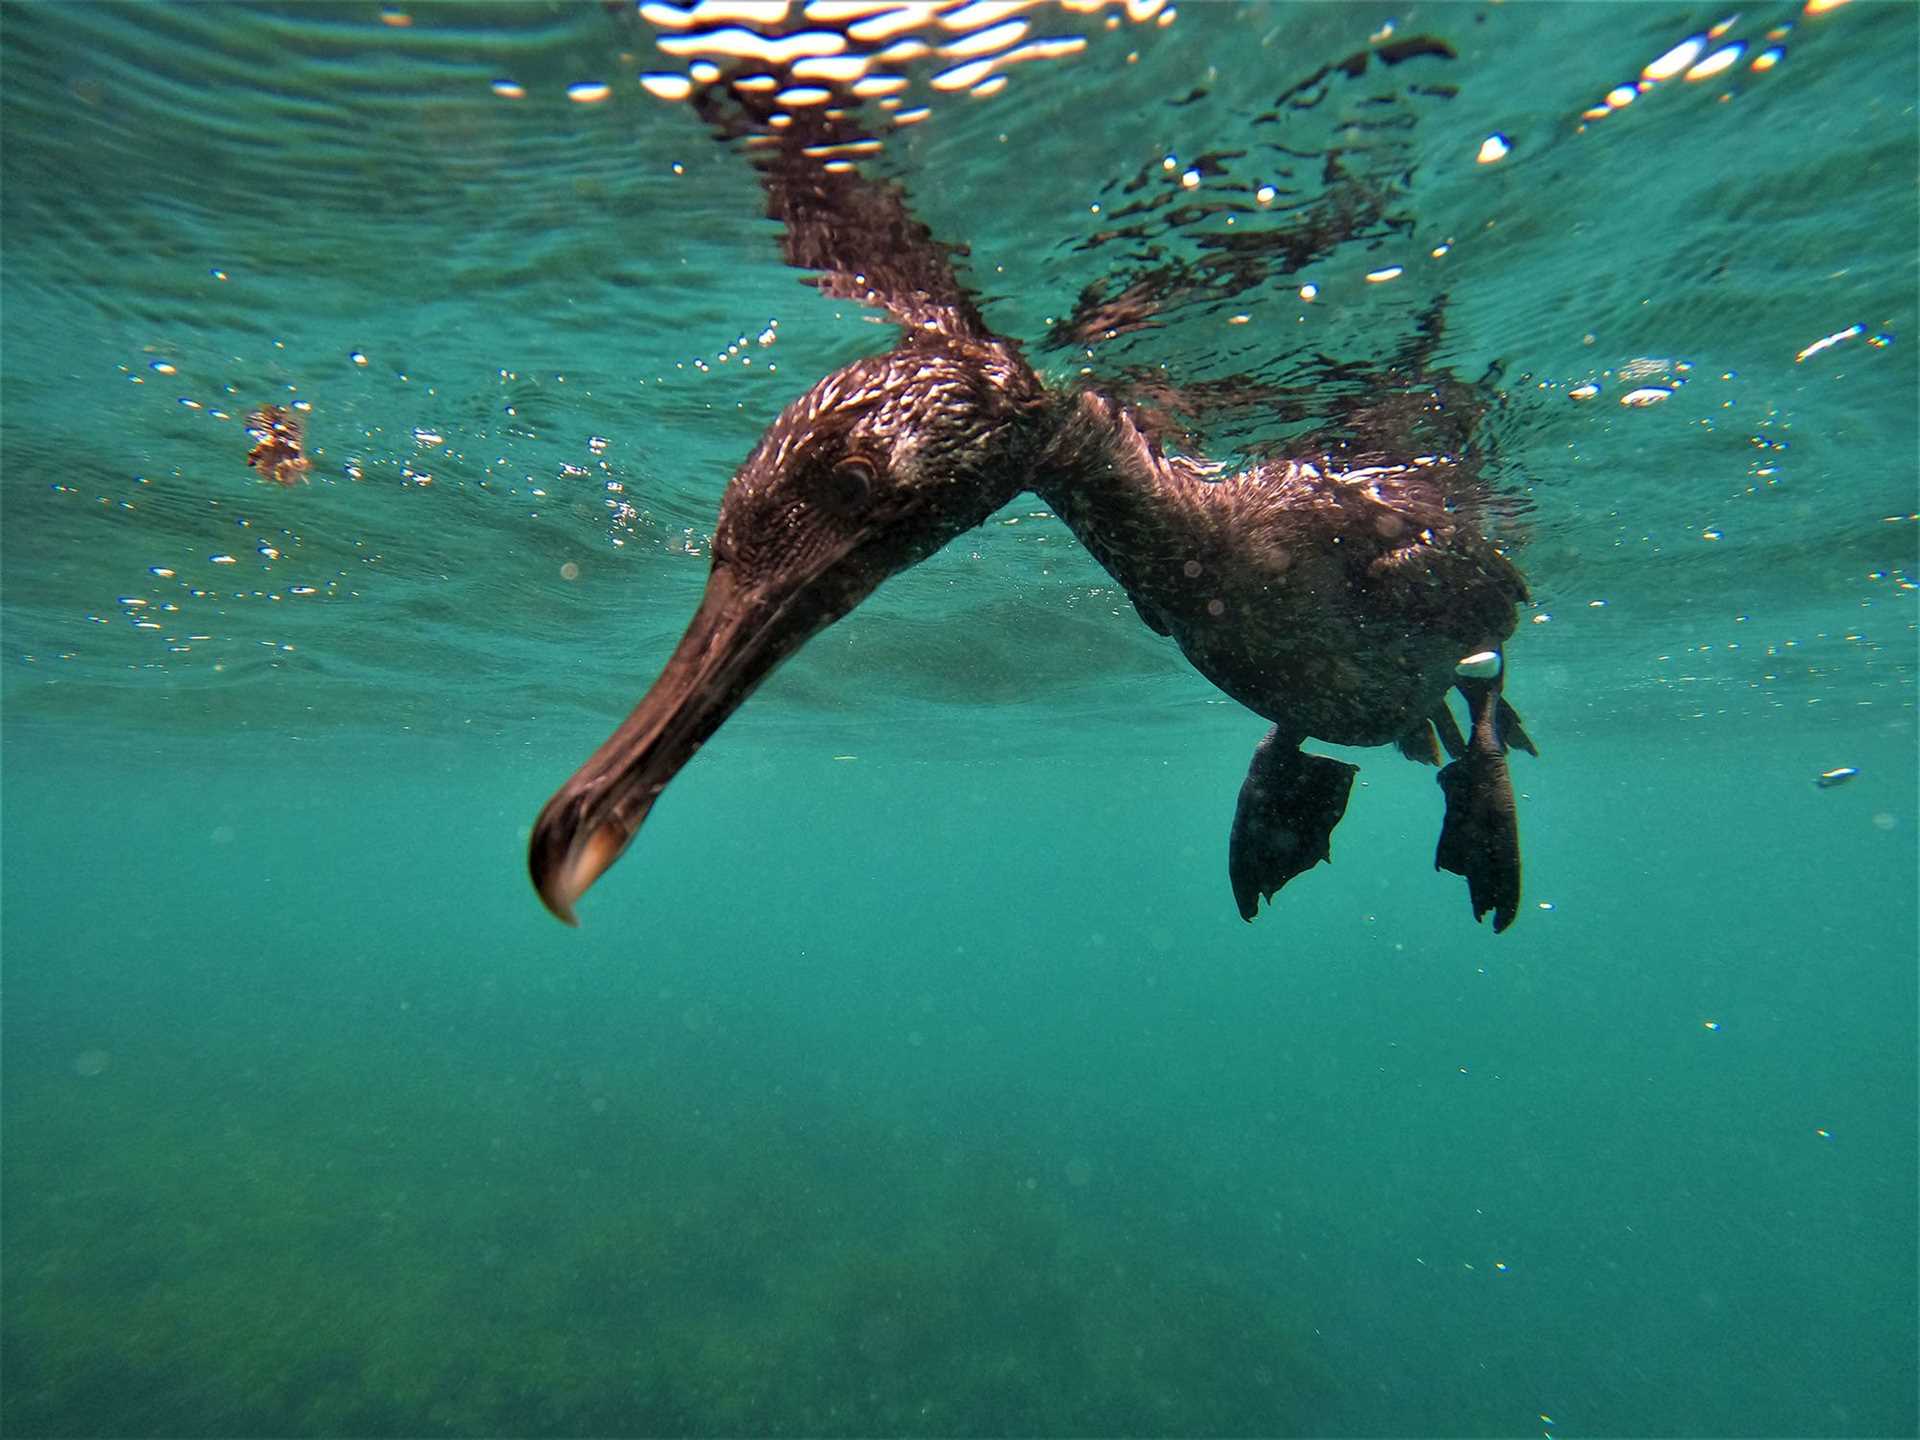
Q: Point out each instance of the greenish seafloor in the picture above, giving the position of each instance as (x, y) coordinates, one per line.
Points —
(980, 1112)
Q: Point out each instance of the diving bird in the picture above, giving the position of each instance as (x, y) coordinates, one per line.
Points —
(1340, 595)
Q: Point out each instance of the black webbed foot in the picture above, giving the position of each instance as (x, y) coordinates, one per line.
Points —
(1289, 804)
(1513, 733)
(1420, 744)
(1480, 838)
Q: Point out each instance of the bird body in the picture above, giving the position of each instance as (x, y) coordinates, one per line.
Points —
(1335, 603)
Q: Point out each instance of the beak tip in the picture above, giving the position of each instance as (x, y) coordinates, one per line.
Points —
(562, 873)
(557, 902)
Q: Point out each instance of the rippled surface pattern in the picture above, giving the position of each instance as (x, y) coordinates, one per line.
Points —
(914, 1074)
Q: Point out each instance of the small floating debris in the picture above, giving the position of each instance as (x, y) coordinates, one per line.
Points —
(1827, 342)
(1645, 396)
(1725, 58)
(1677, 60)
(1830, 778)
(667, 86)
(1481, 665)
(278, 452)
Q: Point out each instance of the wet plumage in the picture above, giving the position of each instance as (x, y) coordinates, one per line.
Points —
(1334, 591)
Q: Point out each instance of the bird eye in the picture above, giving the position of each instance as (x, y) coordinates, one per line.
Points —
(845, 485)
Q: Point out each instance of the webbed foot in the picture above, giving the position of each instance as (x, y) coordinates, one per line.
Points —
(1289, 804)
(1480, 838)
(1420, 744)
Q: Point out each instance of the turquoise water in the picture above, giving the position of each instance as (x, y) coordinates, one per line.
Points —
(913, 1073)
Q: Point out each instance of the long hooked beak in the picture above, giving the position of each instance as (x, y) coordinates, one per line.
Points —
(733, 642)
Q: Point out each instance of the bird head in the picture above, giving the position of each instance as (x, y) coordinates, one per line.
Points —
(868, 473)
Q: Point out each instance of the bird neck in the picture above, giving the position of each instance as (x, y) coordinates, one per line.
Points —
(1102, 473)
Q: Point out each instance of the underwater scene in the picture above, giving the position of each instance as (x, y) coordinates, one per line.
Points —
(1224, 695)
